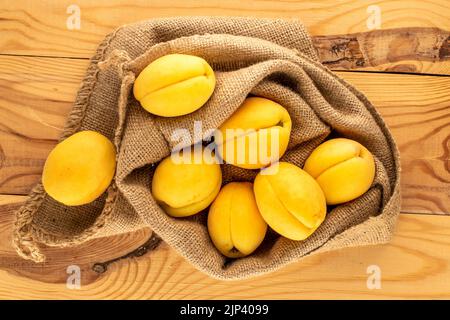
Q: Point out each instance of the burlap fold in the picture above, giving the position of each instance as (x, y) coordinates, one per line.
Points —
(270, 58)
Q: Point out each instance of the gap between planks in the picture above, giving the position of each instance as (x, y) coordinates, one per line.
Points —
(413, 264)
(339, 70)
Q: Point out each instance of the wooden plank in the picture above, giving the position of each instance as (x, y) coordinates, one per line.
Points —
(417, 110)
(41, 27)
(54, 269)
(401, 50)
(36, 94)
(415, 264)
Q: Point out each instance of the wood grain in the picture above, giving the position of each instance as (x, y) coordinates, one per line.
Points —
(39, 27)
(54, 269)
(387, 50)
(36, 94)
(415, 264)
(417, 111)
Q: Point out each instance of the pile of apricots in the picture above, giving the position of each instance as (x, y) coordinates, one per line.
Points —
(289, 199)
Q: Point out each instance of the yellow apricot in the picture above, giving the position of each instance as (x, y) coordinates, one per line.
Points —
(256, 135)
(80, 168)
(174, 85)
(344, 169)
(290, 200)
(234, 223)
(186, 186)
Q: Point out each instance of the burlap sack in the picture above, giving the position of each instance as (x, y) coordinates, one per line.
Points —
(264, 57)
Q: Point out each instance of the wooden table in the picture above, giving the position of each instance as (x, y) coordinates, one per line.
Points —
(396, 52)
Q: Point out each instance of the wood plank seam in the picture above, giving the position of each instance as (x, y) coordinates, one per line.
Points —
(356, 51)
